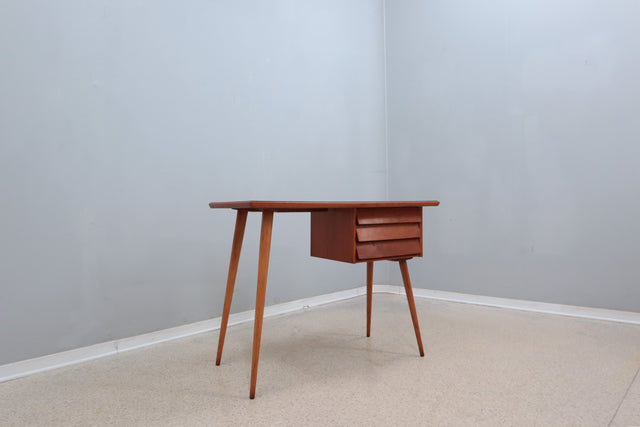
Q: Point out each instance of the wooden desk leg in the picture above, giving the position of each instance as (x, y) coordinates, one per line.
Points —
(369, 295)
(238, 234)
(412, 306)
(263, 269)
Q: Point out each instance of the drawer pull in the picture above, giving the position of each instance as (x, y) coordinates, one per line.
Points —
(387, 232)
(389, 248)
(388, 215)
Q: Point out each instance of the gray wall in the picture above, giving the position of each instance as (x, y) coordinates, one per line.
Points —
(120, 121)
(523, 118)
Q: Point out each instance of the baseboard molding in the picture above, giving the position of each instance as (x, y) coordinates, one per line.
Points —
(58, 360)
(515, 304)
(45, 363)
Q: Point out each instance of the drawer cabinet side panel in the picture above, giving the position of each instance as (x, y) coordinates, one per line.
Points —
(333, 235)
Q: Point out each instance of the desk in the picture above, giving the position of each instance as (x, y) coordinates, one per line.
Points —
(342, 231)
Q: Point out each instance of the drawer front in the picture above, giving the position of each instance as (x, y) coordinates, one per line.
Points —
(388, 249)
(371, 233)
(372, 216)
(386, 233)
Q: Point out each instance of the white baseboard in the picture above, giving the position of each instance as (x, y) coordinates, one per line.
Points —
(45, 363)
(515, 304)
(66, 358)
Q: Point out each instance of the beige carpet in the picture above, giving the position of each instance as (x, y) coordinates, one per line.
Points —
(482, 366)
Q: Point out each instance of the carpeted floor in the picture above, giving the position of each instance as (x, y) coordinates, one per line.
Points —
(482, 366)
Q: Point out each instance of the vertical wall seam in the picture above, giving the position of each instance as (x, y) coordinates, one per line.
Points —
(387, 270)
(386, 101)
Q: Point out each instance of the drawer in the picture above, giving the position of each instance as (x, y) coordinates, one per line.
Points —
(366, 234)
(388, 249)
(369, 233)
(371, 216)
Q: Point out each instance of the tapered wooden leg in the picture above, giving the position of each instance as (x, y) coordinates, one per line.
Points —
(369, 295)
(412, 306)
(263, 269)
(241, 221)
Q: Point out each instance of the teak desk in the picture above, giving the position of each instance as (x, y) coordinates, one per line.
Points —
(342, 231)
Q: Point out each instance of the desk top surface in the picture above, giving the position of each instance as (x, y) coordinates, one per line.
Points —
(308, 206)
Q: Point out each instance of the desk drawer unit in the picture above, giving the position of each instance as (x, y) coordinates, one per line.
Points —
(367, 234)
